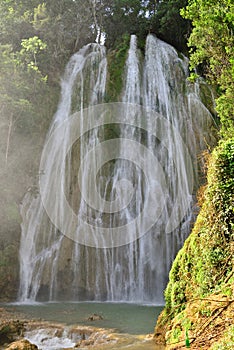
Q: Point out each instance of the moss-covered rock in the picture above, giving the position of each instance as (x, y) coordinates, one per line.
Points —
(116, 63)
(205, 264)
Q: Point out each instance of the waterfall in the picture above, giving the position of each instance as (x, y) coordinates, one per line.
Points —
(121, 190)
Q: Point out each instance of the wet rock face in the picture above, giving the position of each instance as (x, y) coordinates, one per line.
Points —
(22, 345)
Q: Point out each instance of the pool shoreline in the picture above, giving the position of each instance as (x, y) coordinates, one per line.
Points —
(58, 319)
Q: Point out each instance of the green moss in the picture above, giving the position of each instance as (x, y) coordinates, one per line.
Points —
(206, 260)
(116, 63)
(175, 336)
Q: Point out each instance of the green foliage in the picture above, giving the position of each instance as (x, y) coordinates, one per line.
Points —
(212, 49)
(36, 41)
(201, 268)
(169, 25)
(65, 26)
(175, 336)
(15, 22)
(121, 17)
(220, 192)
(21, 92)
(57, 28)
(30, 49)
(175, 292)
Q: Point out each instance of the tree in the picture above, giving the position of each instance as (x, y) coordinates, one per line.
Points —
(65, 26)
(162, 17)
(212, 48)
(30, 49)
(170, 25)
(22, 89)
(119, 17)
(15, 23)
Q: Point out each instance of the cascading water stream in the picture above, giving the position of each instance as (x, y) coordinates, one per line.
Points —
(54, 267)
(40, 240)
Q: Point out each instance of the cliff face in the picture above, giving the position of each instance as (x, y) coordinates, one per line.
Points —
(199, 296)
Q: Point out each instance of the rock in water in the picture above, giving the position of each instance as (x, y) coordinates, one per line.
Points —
(23, 344)
(95, 317)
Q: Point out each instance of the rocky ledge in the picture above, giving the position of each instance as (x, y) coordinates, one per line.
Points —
(18, 333)
(22, 344)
